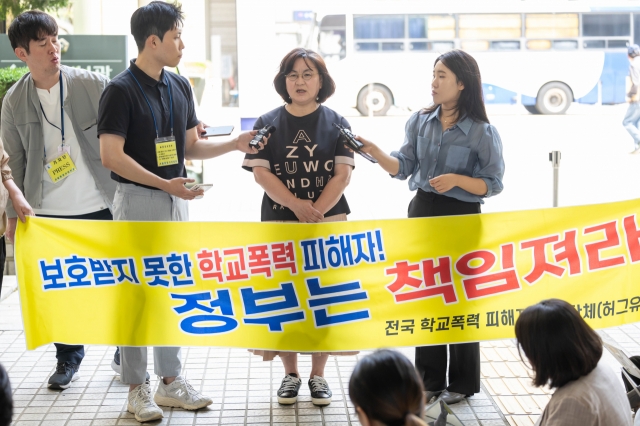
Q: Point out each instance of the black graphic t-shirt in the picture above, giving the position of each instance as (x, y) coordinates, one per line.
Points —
(302, 153)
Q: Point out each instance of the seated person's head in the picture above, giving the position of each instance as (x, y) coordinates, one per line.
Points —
(386, 390)
(6, 401)
(559, 344)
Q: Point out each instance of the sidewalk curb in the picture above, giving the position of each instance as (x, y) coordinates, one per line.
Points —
(9, 285)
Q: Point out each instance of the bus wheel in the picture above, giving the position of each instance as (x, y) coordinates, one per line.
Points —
(380, 98)
(554, 98)
(532, 109)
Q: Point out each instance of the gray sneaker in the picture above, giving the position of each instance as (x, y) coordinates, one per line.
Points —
(64, 375)
(141, 405)
(180, 393)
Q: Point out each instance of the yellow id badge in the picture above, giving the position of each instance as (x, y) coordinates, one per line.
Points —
(166, 151)
(60, 168)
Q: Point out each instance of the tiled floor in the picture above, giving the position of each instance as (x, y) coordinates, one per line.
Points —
(243, 387)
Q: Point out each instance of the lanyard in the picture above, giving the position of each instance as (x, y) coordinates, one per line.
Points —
(155, 124)
(61, 128)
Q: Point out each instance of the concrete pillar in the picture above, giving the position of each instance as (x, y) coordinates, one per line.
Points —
(194, 33)
(87, 16)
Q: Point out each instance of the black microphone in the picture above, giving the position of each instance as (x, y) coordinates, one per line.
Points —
(351, 142)
(265, 131)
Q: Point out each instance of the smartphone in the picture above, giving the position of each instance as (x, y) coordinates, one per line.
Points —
(216, 131)
(197, 186)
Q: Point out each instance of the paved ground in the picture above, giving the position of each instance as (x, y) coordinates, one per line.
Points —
(596, 167)
(243, 387)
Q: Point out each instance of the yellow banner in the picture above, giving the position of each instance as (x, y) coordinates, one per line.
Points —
(325, 287)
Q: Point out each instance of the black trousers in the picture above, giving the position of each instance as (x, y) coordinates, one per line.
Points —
(73, 354)
(431, 361)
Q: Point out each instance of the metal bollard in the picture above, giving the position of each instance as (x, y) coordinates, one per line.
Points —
(554, 157)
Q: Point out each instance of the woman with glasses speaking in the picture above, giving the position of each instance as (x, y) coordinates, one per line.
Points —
(453, 158)
(304, 171)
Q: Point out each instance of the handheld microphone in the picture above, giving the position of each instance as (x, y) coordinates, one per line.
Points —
(351, 142)
(265, 131)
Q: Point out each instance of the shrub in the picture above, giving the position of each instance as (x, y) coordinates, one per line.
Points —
(8, 77)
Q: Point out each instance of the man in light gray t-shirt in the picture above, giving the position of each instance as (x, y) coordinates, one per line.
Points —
(631, 120)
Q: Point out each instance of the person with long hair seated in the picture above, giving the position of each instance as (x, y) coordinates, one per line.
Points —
(453, 157)
(386, 389)
(565, 354)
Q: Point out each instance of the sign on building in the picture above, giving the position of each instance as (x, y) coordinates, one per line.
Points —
(103, 54)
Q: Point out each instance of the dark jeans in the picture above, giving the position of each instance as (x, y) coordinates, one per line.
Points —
(74, 354)
(431, 361)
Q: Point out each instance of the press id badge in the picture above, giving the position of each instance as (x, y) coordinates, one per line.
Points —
(166, 151)
(60, 168)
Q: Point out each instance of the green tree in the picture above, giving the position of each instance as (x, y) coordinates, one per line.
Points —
(16, 7)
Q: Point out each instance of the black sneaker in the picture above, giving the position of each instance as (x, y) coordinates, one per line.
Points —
(320, 392)
(288, 392)
(115, 364)
(64, 375)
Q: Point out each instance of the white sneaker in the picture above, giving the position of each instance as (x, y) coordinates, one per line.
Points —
(180, 393)
(142, 406)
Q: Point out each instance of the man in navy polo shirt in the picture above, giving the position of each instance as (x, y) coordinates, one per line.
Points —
(147, 127)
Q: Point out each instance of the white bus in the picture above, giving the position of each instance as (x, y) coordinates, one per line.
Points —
(541, 54)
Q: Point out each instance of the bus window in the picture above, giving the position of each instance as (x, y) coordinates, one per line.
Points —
(418, 45)
(418, 27)
(474, 45)
(636, 28)
(490, 27)
(565, 44)
(433, 27)
(436, 46)
(538, 44)
(382, 26)
(332, 37)
(441, 46)
(551, 25)
(606, 25)
(617, 44)
(505, 45)
(594, 44)
(393, 46)
(361, 47)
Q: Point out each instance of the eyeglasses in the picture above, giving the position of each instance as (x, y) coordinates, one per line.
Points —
(306, 76)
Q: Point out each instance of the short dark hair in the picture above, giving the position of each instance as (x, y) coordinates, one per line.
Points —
(386, 386)
(286, 65)
(31, 25)
(6, 401)
(559, 344)
(466, 70)
(156, 18)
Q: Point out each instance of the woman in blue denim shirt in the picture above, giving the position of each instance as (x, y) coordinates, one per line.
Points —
(453, 158)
